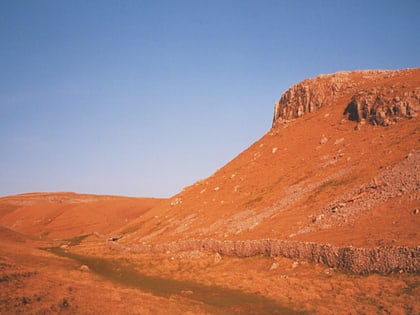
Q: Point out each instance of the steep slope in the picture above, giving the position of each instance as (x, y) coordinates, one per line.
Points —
(61, 215)
(346, 172)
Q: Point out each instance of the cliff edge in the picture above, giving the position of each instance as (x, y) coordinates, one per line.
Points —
(386, 97)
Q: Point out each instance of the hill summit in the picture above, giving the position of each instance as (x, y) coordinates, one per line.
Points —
(379, 97)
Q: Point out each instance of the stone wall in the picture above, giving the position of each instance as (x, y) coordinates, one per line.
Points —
(356, 260)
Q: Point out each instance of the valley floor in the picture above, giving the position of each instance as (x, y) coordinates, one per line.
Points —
(91, 279)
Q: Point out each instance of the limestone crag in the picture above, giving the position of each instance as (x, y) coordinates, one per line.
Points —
(379, 105)
(382, 106)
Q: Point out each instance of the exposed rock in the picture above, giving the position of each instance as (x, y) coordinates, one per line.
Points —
(379, 105)
(382, 106)
(176, 201)
(323, 140)
(338, 141)
(189, 255)
(217, 258)
(274, 266)
(401, 179)
(64, 303)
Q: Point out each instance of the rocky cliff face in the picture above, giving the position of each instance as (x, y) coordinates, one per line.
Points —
(382, 103)
(382, 106)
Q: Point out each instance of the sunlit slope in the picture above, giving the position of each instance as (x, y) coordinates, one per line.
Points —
(320, 174)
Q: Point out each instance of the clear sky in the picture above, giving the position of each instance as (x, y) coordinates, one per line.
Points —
(142, 98)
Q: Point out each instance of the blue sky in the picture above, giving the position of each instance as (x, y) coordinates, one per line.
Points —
(142, 98)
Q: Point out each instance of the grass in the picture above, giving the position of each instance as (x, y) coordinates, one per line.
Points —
(411, 286)
(253, 202)
(76, 240)
(328, 185)
(217, 299)
(130, 229)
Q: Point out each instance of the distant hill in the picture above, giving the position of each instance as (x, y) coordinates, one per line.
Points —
(61, 215)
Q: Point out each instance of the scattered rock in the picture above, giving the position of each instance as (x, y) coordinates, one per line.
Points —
(338, 141)
(25, 300)
(274, 150)
(84, 268)
(176, 201)
(323, 140)
(65, 303)
(217, 258)
(190, 255)
(416, 211)
(317, 218)
(115, 238)
(274, 266)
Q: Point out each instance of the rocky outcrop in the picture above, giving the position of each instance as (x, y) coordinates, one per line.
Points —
(379, 105)
(382, 106)
(351, 259)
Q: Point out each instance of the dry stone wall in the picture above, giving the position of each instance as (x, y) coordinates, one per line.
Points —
(352, 259)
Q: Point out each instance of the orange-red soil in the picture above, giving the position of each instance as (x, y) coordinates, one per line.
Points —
(319, 178)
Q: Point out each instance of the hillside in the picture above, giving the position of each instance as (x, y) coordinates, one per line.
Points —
(65, 215)
(339, 166)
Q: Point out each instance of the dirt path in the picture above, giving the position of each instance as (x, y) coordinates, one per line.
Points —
(218, 300)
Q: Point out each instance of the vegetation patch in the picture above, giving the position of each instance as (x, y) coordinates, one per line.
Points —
(76, 240)
(253, 202)
(217, 299)
(412, 285)
(130, 229)
(327, 186)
